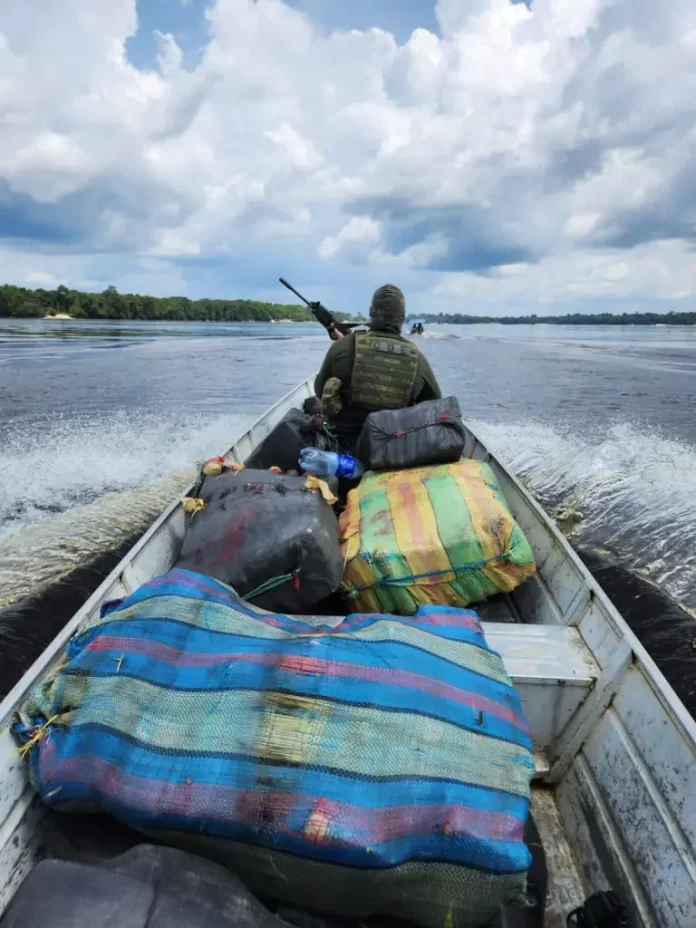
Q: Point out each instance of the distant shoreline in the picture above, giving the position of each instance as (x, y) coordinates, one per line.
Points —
(74, 305)
(644, 319)
(618, 321)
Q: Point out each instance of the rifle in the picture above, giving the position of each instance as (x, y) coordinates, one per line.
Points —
(335, 328)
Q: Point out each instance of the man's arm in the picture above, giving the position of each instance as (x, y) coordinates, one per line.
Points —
(430, 388)
(326, 368)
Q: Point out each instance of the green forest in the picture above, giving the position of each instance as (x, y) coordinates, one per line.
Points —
(19, 302)
(573, 319)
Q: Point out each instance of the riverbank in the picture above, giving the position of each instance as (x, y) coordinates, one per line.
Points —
(574, 319)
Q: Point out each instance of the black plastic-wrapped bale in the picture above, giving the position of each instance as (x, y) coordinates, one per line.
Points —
(295, 431)
(265, 532)
(147, 887)
(429, 433)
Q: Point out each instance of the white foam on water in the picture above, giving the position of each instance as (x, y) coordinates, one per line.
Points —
(48, 550)
(53, 465)
(634, 490)
(438, 336)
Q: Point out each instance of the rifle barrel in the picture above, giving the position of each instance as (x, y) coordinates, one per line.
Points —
(296, 292)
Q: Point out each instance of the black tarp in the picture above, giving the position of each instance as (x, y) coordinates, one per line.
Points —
(296, 430)
(428, 433)
(147, 887)
(260, 529)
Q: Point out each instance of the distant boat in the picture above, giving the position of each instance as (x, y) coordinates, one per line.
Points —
(417, 326)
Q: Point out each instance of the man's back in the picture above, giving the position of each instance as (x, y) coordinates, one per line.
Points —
(376, 370)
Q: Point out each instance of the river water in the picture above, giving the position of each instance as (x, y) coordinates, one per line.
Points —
(598, 421)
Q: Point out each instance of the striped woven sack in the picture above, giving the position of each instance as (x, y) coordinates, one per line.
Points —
(442, 535)
(382, 766)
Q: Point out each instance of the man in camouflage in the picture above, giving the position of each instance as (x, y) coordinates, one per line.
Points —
(368, 371)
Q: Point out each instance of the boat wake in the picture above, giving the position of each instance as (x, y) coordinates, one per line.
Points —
(78, 488)
(52, 465)
(79, 493)
(628, 493)
(438, 336)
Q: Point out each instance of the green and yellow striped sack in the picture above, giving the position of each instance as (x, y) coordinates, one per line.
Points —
(439, 535)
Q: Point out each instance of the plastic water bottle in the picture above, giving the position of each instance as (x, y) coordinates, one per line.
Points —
(330, 464)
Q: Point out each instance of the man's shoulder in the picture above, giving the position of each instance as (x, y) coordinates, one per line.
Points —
(342, 347)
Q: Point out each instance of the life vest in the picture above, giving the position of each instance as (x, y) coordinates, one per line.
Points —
(384, 371)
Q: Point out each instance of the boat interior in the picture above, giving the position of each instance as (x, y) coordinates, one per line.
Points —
(614, 796)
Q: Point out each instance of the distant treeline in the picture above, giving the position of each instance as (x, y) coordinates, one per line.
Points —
(20, 302)
(573, 319)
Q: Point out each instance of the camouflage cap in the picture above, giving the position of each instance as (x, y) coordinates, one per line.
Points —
(388, 308)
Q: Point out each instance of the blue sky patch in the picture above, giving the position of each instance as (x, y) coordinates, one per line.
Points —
(184, 19)
(400, 17)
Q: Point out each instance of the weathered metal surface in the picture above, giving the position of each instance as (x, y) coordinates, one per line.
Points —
(21, 846)
(13, 775)
(653, 838)
(565, 888)
(601, 637)
(581, 726)
(603, 859)
(626, 761)
(670, 760)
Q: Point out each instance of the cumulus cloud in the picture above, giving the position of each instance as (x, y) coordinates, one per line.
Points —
(358, 231)
(526, 155)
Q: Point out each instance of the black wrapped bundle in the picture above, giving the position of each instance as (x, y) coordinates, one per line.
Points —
(268, 536)
(429, 433)
(295, 431)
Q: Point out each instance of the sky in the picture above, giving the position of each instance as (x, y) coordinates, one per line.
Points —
(489, 157)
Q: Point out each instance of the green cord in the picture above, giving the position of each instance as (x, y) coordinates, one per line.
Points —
(269, 585)
(333, 441)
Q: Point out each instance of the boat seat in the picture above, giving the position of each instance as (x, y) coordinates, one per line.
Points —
(550, 665)
(552, 669)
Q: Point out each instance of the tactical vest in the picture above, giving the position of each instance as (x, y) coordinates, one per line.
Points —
(384, 371)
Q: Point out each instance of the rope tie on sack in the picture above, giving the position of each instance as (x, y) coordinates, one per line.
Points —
(274, 582)
(193, 505)
(320, 426)
(399, 433)
(37, 734)
(330, 436)
(354, 591)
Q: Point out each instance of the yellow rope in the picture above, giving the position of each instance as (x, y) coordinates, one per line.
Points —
(192, 505)
(37, 736)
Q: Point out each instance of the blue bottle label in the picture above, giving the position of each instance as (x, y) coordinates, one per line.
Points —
(346, 465)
